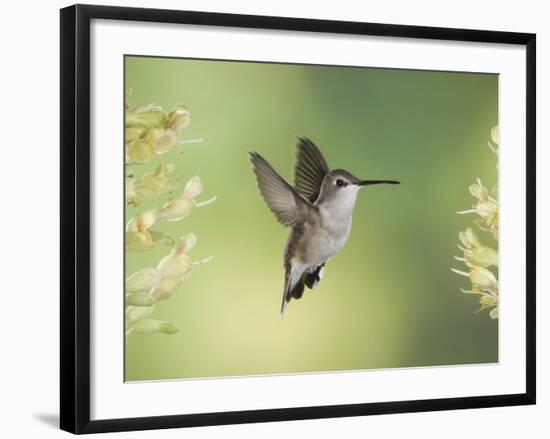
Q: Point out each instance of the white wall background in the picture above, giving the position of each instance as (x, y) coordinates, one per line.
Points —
(29, 236)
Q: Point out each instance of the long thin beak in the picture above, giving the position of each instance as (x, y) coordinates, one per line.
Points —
(368, 182)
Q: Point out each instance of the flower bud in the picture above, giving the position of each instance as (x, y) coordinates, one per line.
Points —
(135, 313)
(139, 299)
(155, 183)
(138, 241)
(186, 243)
(142, 280)
(175, 265)
(177, 209)
(149, 116)
(139, 152)
(146, 219)
(166, 288)
(163, 139)
(179, 118)
(479, 191)
(131, 134)
(483, 279)
(150, 326)
(482, 256)
(476, 254)
(193, 188)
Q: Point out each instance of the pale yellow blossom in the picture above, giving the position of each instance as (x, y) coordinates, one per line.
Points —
(486, 207)
(139, 152)
(150, 326)
(139, 299)
(175, 265)
(163, 139)
(476, 254)
(162, 281)
(135, 313)
(149, 131)
(138, 236)
(178, 208)
(174, 268)
(148, 116)
(178, 118)
(486, 300)
(142, 280)
(481, 278)
(155, 183)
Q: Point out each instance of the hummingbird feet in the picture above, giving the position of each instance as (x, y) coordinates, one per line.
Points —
(312, 279)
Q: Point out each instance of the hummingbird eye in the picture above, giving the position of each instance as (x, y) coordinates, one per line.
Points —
(341, 183)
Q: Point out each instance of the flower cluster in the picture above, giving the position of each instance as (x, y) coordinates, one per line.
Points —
(140, 233)
(150, 285)
(486, 207)
(151, 184)
(151, 132)
(478, 257)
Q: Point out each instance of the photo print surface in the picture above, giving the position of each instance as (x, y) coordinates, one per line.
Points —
(266, 233)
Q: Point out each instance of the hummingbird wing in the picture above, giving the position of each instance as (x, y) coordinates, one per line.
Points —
(289, 206)
(310, 170)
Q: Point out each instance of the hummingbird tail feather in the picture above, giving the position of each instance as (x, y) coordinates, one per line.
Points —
(294, 287)
(286, 297)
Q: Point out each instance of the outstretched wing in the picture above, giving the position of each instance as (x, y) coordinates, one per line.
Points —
(288, 205)
(310, 170)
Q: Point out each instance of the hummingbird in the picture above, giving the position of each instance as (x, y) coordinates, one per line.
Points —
(318, 210)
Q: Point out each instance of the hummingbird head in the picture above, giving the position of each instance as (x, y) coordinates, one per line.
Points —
(340, 188)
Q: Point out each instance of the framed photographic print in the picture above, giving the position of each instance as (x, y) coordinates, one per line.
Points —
(268, 218)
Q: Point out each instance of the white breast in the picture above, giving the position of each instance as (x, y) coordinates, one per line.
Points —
(329, 238)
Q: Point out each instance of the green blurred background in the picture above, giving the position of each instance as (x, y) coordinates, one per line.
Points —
(388, 298)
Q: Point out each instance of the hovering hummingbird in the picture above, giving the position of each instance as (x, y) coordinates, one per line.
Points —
(318, 209)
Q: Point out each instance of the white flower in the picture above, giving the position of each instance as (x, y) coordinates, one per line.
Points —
(181, 206)
(487, 300)
(163, 139)
(486, 207)
(186, 243)
(174, 265)
(139, 299)
(150, 326)
(179, 118)
(162, 281)
(481, 278)
(152, 184)
(476, 254)
(138, 236)
(166, 288)
(148, 116)
(142, 280)
(135, 313)
(139, 152)
(174, 268)
(149, 131)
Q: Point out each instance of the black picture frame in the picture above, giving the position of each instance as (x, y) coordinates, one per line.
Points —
(75, 217)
